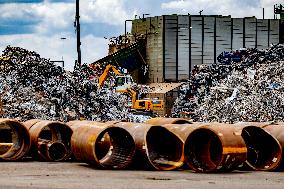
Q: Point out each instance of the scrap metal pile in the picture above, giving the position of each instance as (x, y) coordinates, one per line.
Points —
(32, 87)
(249, 90)
(158, 144)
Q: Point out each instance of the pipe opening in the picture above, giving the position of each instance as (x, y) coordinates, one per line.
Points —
(57, 151)
(264, 152)
(103, 146)
(118, 148)
(52, 150)
(165, 149)
(14, 140)
(58, 144)
(203, 150)
(6, 142)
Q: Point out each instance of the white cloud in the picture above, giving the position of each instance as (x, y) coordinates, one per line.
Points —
(16, 11)
(55, 16)
(53, 47)
(223, 7)
(93, 48)
(112, 12)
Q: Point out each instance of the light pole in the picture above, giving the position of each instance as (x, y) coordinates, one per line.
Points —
(77, 26)
(63, 38)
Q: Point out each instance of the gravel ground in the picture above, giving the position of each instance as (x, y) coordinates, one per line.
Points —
(79, 175)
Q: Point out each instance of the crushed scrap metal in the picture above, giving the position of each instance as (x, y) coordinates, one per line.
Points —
(32, 87)
(249, 90)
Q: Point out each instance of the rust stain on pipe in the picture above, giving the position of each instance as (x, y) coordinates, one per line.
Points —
(162, 121)
(4, 147)
(15, 140)
(102, 145)
(50, 139)
(76, 124)
(264, 150)
(157, 148)
(214, 147)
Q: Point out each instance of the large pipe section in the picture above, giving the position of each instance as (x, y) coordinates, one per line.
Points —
(277, 131)
(214, 147)
(264, 150)
(102, 145)
(208, 147)
(156, 147)
(50, 139)
(15, 140)
(162, 121)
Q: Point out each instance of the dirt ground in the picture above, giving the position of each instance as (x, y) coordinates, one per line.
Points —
(80, 176)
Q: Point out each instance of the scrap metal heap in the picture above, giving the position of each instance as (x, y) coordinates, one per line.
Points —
(32, 87)
(251, 90)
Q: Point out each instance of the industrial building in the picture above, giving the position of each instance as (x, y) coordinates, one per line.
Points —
(175, 43)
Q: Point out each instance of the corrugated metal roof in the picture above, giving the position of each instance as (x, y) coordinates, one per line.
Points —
(163, 87)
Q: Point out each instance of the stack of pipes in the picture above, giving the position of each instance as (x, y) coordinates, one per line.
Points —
(158, 144)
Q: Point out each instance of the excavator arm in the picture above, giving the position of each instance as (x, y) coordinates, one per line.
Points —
(133, 95)
(105, 74)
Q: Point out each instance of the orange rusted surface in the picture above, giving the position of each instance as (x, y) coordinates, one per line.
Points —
(157, 148)
(16, 139)
(162, 121)
(56, 136)
(277, 131)
(102, 145)
(264, 149)
(214, 147)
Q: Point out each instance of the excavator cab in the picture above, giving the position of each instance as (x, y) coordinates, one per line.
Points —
(123, 82)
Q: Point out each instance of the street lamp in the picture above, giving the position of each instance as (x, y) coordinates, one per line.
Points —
(63, 38)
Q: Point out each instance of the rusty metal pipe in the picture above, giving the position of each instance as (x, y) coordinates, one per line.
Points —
(103, 144)
(15, 140)
(214, 147)
(277, 131)
(89, 138)
(48, 136)
(4, 147)
(157, 147)
(162, 121)
(264, 150)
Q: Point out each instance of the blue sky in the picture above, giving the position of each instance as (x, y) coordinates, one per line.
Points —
(39, 25)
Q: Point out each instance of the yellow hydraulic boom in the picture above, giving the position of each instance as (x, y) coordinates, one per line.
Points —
(124, 85)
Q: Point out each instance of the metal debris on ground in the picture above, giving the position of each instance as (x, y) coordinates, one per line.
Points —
(32, 87)
(249, 90)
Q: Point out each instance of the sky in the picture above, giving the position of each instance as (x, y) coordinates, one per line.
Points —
(40, 25)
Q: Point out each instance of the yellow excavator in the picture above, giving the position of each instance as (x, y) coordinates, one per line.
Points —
(124, 84)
